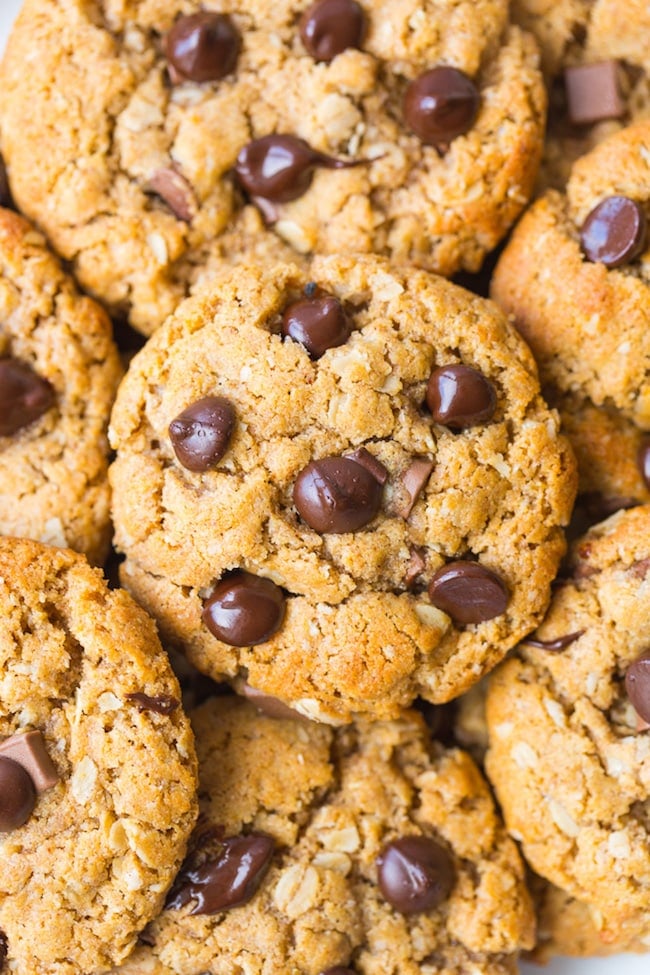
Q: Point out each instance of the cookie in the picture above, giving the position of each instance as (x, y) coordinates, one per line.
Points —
(59, 370)
(569, 753)
(97, 766)
(408, 129)
(573, 279)
(330, 827)
(305, 520)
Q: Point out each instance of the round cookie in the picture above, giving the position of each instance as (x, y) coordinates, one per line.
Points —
(90, 710)
(330, 808)
(59, 370)
(145, 179)
(462, 510)
(569, 753)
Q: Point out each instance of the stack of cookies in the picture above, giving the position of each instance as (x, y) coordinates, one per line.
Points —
(329, 486)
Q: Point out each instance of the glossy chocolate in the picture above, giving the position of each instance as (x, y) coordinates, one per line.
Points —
(440, 105)
(415, 874)
(24, 396)
(468, 592)
(637, 685)
(553, 646)
(200, 435)
(614, 233)
(202, 47)
(280, 168)
(318, 323)
(244, 610)
(460, 397)
(336, 495)
(17, 795)
(160, 704)
(329, 27)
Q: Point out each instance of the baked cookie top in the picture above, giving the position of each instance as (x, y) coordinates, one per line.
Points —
(97, 765)
(569, 755)
(395, 550)
(327, 822)
(59, 370)
(419, 129)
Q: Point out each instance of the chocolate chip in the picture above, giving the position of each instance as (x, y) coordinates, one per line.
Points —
(614, 232)
(554, 646)
(6, 199)
(161, 704)
(336, 495)
(415, 874)
(201, 433)
(637, 685)
(175, 190)
(272, 707)
(459, 397)
(318, 323)
(415, 565)
(24, 396)
(468, 592)
(280, 167)
(17, 795)
(413, 480)
(337, 970)
(329, 27)
(592, 92)
(244, 610)
(643, 461)
(440, 105)
(202, 47)
(227, 882)
(28, 750)
(371, 464)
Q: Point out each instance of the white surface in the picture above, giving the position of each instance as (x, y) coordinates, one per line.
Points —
(621, 965)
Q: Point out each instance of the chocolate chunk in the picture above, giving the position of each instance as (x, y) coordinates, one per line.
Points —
(415, 874)
(272, 707)
(593, 93)
(415, 566)
(201, 433)
(637, 685)
(440, 105)
(244, 610)
(202, 47)
(229, 881)
(643, 462)
(468, 592)
(336, 494)
(6, 199)
(554, 646)
(614, 232)
(280, 167)
(24, 396)
(338, 970)
(17, 795)
(640, 569)
(4, 949)
(414, 479)
(161, 704)
(318, 322)
(28, 750)
(371, 464)
(329, 27)
(459, 397)
(177, 193)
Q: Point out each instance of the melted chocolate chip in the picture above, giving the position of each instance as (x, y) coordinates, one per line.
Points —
(17, 795)
(244, 610)
(440, 105)
(227, 882)
(202, 47)
(468, 592)
(201, 433)
(554, 646)
(329, 27)
(336, 495)
(318, 323)
(371, 463)
(415, 874)
(280, 167)
(637, 685)
(643, 461)
(24, 396)
(460, 397)
(614, 233)
(161, 704)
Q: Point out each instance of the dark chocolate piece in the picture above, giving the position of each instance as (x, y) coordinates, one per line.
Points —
(336, 495)
(244, 609)
(415, 874)
(468, 592)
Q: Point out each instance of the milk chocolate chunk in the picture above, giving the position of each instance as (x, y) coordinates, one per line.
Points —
(318, 322)
(329, 27)
(202, 47)
(229, 881)
(201, 433)
(414, 480)
(415, 874)
(468, 592)
(614, 233)
(17, 795)
(28, 749)
(336, 494)
(440, 105)
(643, 461)
(174, 189)
(460, 397)
(637, 685)
(24, 396)
(244, 610)
(280, 168)
(266, 704)
(593, 92)
(371, 463)
(160, 704)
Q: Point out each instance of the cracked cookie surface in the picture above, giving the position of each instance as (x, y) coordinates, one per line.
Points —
(332, 800)
(135, 135)
(93, 862)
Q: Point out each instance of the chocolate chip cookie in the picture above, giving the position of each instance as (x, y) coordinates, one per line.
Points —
(59, 370)
(408, 129)
(367, 849)
(569, 751)
(341, 485)
(97, 766)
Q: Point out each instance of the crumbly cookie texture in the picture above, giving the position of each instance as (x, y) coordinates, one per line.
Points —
(360, 634)
(53, 471)
(331, 802)
(569, 756)
(92, 864)
(92, 191)
(586, 324)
